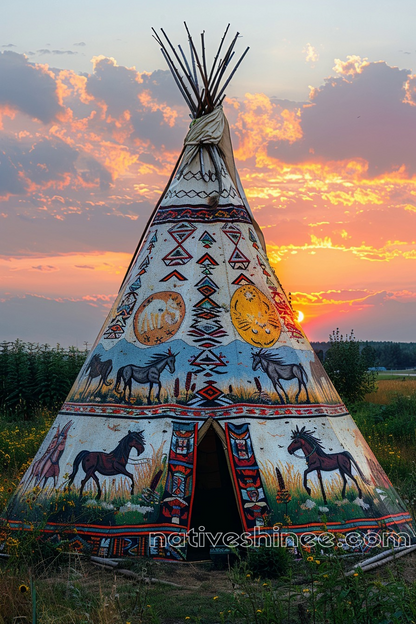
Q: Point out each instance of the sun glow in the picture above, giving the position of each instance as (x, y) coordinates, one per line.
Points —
(301, 316)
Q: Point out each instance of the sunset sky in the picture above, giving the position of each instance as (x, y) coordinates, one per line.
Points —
(323, 121)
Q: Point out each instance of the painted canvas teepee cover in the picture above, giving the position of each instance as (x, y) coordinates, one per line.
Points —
(202, 401)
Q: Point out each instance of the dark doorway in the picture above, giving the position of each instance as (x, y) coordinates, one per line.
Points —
(215, 506)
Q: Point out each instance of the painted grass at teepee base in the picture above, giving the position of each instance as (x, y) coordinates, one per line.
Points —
(265, 394)
(116, 505)
(312, 507)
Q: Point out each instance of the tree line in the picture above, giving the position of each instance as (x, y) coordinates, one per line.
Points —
(33, 375)
(391, 355)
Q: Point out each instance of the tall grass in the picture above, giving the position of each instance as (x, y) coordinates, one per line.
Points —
(388, 389)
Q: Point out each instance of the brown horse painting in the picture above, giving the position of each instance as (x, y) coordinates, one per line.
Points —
(317, 460)
(108, 464)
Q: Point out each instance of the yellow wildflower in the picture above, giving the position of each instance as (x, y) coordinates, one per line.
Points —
(215, 598)
(305, 591)
(355, 574)
(309, 559)
(248, 575)
(317, 562)
(23, 588)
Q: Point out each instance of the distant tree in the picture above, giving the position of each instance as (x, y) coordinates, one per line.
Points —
(393, 356)
(347, 365)
(369, 354)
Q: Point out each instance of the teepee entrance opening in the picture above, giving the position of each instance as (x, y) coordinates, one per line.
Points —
(214, 506)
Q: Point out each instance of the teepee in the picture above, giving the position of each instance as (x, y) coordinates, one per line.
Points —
(202, 403)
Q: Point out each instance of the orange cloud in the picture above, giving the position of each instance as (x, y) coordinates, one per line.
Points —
(259, 120)
(353, 65)
(169, 114)
(6, 111)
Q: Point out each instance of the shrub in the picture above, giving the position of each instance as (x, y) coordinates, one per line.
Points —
(268, 562)
(347, 366)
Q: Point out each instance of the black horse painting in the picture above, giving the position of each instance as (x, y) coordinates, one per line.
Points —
(97, 368)
(277, 370)
(318, 460)
(149, 374)
(108, 464)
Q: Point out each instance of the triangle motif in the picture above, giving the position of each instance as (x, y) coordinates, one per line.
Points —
(181, 232)
(241, 280)
(178, 257)
(207, 240)
(238, 260)
(207, 260)
(176, 275)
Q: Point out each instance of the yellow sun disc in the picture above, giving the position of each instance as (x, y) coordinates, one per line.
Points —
(301, 316)
(255, 317)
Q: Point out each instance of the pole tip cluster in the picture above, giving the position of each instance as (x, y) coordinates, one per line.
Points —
(202, 90)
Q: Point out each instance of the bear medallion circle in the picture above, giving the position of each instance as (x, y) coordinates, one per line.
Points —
(159, 317)
(255, 317)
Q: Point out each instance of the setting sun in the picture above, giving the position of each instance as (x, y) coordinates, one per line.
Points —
(301, 316)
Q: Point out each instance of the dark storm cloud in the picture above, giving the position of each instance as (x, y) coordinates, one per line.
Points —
(359, 116)
(27, 88)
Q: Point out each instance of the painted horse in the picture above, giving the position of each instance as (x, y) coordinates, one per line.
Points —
(276, 370)
(149, 374)
(318, 460)
(47, 466)
(108, 464)
(97, 368)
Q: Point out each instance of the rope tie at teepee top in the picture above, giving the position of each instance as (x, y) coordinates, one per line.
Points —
(205, 132)
(207, 129)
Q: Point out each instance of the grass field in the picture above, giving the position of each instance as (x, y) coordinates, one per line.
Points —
(68, 589)
(388, 388)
